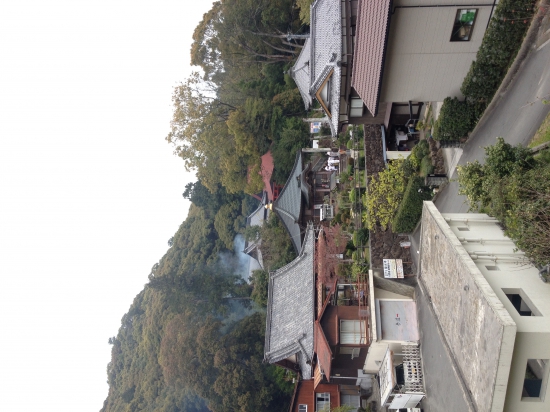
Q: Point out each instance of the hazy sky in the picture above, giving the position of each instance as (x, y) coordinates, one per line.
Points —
(90, 191)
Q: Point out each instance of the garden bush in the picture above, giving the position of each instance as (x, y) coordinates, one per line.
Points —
(418, 152)
(360, 237)
(456, 119)
(498, 49)
(410, 210)
(426, 166)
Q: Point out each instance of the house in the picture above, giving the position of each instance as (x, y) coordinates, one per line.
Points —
(371, 62)
(319, 330)
(492, 308)
(323, 69)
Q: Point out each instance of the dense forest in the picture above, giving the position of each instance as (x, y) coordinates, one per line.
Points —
(193, 339)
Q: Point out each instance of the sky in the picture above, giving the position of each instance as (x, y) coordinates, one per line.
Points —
(90, 191)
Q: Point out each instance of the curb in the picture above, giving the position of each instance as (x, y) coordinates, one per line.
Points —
(526, 47)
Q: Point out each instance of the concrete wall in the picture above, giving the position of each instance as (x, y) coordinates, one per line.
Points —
(533, 332)
(478, 328)
(422, 64)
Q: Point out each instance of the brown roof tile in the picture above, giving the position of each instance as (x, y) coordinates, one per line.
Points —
(370, 43)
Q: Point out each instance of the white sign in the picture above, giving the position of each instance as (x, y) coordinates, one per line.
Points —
(393, 268)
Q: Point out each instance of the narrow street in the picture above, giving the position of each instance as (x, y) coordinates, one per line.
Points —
(516, 118)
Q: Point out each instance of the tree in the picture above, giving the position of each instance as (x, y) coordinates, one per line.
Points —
(385, 192)
(514, 187)
(259, 281)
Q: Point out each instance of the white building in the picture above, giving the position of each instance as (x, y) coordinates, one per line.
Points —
(493, 309)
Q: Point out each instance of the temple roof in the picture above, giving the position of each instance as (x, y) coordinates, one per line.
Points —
(289, 204)
(290, 309)
(320, 58)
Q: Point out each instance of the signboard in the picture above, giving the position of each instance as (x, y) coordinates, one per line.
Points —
(393, 268)
(315, 127)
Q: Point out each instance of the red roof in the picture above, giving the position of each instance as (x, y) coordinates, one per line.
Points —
(322, 349)
(266, 172)
(370, 44)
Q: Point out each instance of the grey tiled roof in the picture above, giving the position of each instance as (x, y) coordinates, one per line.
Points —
(290, 309)
(288, 205)
(326, 51)
(321, 54)
(300, 73)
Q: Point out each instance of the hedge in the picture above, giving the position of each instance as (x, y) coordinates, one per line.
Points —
(410, 210)
(498, 49)
(456, 119)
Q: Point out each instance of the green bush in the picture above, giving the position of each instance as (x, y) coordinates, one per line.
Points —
(410, 210)
(426, 166)
(456, 119)
(360, 236)
(418, 152)
(408, 167)
(498, 49)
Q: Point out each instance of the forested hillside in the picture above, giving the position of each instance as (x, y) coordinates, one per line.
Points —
(193, 339)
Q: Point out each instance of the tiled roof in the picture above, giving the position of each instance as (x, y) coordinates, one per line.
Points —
(288, 205)
(326, 52)
(290, 309)
(322, 349)
(370, 45)
(300, 73)
(321, 56)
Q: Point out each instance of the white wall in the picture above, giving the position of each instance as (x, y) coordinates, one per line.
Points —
(422, 64)
(533, 332)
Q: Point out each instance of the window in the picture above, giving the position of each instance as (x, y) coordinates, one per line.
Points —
(521, 302)
(463, 229)
(351, 400)
(356, 107)
(463, 24)
(536, 377)
(492, 267)
(352, 332)
(302, 408)
(322, 401)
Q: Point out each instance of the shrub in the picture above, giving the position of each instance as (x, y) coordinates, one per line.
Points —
(408, 167)
(410, 210)
(360, 237)
(418, 152)
(498, 49)
(456, 119)
(385, 193)
(426, 166)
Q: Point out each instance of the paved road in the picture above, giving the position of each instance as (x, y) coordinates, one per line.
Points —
(516, 118)
(445, 391)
